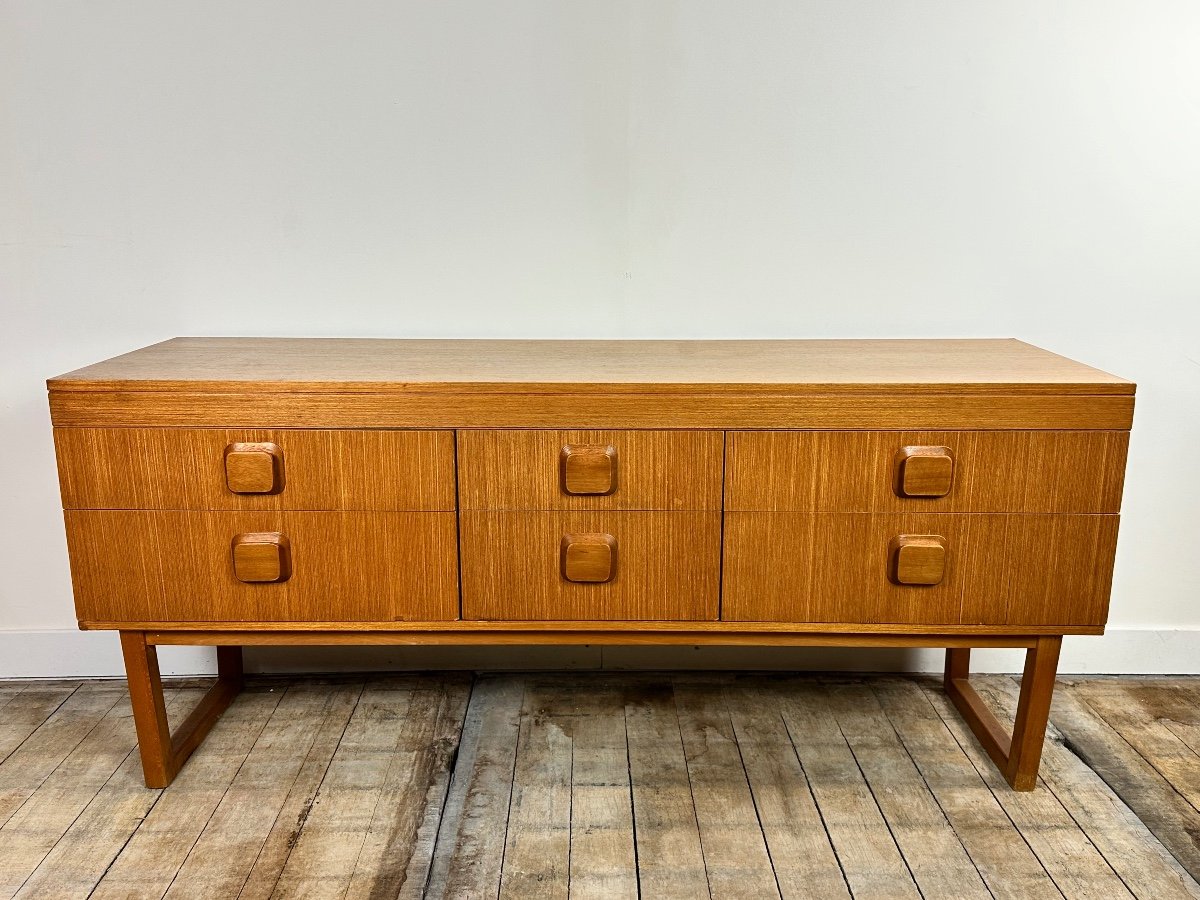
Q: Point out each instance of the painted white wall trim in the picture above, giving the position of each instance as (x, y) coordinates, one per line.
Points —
(65, 653)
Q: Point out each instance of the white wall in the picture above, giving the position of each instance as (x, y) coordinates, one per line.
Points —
(702, 169)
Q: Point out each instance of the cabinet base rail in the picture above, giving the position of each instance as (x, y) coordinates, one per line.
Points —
(1017, 754)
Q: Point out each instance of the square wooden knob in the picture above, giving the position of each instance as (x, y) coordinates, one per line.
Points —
(588, 469)
(924, 472)
(588, 557)
(264, 556)
(917, 559)
(254, 468)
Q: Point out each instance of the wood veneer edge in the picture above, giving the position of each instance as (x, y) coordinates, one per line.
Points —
(553, 628)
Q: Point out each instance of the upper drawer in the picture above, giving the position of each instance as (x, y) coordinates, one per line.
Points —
(590, 469)
(200, 468)
(926, 471)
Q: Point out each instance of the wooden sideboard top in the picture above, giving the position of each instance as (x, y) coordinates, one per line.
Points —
(349, 365)
(369, 383)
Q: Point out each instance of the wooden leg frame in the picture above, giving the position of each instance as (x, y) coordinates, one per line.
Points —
(1016, 755)
(164, 753)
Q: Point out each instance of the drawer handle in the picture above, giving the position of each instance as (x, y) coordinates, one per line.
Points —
(588, 558)
(924, 472)
(254, 468)
(917, 559)
(262, 556)
(588, 469)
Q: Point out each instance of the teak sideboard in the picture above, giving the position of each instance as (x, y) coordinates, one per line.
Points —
(948, 493)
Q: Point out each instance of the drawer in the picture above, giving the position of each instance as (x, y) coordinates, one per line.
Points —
(851, 568)
(926, 471)
(622, 566)
(582, 470)
(179, 566)
(253, 469)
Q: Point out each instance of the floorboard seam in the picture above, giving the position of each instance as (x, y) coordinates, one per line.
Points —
(291, 787)
(59, 764)
(637, 868)
(1083, 757)
(932, 793)
(882, 815)
(750, 789)
(512, 785)
(812, 796)
(999, 803)
(9, 754)
(450, 774)
(691, 788)
(316, 792)
(1142, 756)
(225, 793)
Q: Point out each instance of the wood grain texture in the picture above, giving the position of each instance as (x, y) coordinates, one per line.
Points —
(736, 857)
(537, 845)
(1016, 755)
(669, 566)
(632, 635)
(164, 752)
(1096, 796)
(602, 854)
(57, 805)
(588, 468)
(172, 565)
(1012, 570)
(931, 634)
(590, 558)
(372, 809)
(801, 852)
(232, 841)
(1114, 755)
(261, 557)
(917, 559)
(253, 468)
(312, 787)
(994, 825)
(871, 858)
(481, 788)
(994, 471)
(933, 850)
(184, 468)
(670, 857)
(226, 363)
(523, 469)
(688, 408)
(924, 472)
(135, 839)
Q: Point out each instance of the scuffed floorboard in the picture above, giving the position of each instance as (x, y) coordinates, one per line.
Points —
(603, 785)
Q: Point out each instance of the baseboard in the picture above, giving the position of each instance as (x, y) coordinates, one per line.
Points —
(70, 654)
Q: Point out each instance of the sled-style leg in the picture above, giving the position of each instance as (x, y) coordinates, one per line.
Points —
(163, 753)
(1017, 756)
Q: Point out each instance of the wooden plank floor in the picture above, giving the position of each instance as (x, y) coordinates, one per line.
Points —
(600, 785)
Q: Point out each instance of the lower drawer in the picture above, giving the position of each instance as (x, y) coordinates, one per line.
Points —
(588, 566)
(1001, 569)
(178, 566)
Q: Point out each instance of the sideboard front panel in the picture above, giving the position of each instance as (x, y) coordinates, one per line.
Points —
(987, 471)
(661, 565)
(995, 569)
(638, 470)
(189, 468)
(178, 566)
